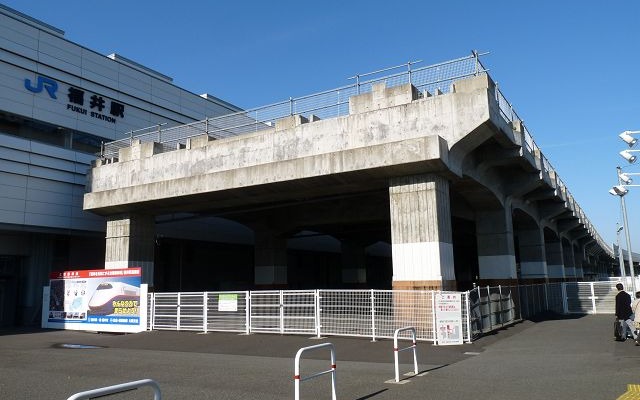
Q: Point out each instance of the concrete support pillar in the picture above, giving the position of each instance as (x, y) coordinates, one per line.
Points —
(130, 242)
(569, 261)
(579, 260)
(555, 259)
(496, 251)
(354, 270)
(421, 233)
(270, 269)
(533, 261)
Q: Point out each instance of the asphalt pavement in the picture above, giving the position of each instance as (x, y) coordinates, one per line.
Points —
(556, 358)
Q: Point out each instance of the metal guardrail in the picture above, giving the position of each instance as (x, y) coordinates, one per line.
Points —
(332, 369)
(328, 104)
(397, 350)
(122, 387)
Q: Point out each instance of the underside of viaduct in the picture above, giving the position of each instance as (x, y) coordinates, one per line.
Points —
(453, 190)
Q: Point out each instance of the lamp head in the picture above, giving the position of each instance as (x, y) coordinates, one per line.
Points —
(619, 190)
(626, 154)
(625, 178)
(628, 139)
(621, 227)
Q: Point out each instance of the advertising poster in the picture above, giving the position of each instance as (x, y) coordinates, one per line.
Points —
(228, 302)
(449, 318)
(106, 300)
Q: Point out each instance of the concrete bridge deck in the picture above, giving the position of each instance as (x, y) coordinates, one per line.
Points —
(430, 171)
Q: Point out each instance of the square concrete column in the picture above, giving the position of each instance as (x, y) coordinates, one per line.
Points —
(270, 269)
(421, 233)
(496, 251)
(533, 262)
(580, 260)
(354, 270)
(555, 263)
(130, 242)
(569, 261)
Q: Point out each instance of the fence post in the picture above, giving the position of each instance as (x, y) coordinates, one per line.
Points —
(317, 312)
(468, 308)
(178, 312)
(373, 317)
(565, 302)
(281, 312)
(290, 105)
(247, 312)
(151, 315)
(490, 314)
(593, 298)
(205, 312)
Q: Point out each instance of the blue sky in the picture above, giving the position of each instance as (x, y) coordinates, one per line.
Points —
(570, 68)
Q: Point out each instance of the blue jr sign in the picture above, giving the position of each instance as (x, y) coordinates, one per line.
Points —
(49, 85)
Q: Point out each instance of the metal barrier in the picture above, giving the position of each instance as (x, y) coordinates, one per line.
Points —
(397, 350)
(123, 387)
(297, 378)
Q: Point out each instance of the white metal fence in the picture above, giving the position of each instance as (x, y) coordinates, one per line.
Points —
(370, 313)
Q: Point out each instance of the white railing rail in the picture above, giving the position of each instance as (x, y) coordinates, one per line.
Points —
(297, 378)
(397, 350)
(122, 387)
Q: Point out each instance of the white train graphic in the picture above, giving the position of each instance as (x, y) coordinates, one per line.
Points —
(101, 303)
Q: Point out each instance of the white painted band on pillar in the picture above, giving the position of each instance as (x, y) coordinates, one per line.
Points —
(533, 269)
(425, 261)
(555, 270)
(497, 267)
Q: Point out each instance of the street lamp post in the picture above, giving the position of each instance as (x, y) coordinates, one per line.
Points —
(620, 256)
(628, 237)
(624, 180)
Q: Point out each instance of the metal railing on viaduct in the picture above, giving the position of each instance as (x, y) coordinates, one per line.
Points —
(371, 314)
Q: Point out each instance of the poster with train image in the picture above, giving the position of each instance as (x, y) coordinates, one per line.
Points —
(105, 300)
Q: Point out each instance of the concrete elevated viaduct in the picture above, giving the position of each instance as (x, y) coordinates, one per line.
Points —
(457, 189)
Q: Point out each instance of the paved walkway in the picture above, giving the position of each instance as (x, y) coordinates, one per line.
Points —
(568, 358)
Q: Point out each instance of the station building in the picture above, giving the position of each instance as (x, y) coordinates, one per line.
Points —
(59, 101)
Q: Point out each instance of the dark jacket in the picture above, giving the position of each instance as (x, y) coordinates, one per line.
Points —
(623, 305)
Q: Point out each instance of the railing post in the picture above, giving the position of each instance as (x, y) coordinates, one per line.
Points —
(317, 312)
(247, 312)
(565, 302)
(159, 134)
(468, 308)
(205, 312)
(490, 307)
(593, 298)
(281, 312)
(476, 66)
(409, 70)
(290, 106)
(373, 316)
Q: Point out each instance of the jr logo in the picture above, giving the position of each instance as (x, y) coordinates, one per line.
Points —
(49, 85)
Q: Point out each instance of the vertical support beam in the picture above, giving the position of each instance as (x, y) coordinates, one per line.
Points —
(568, 260)
(579, 258)
(555, 259)
(496, 251)
(270, 270)
(421, 233)
(354, 270)
(130, 242)
(533, 262)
